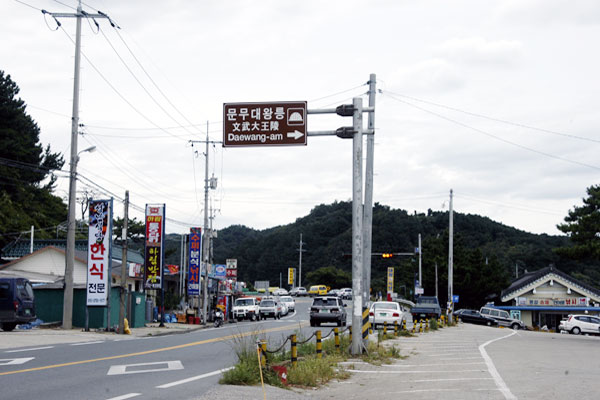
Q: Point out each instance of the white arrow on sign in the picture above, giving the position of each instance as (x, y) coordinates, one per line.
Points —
(296, 134)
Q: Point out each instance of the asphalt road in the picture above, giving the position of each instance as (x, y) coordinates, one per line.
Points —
(182, 366)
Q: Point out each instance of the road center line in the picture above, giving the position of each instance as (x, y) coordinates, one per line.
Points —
(141, 353)
(493, 371)
(193, 378)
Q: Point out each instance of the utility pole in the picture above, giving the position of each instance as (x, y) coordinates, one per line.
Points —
(71, 219)
(450, 254)
(436, 282)
(357, 225)
(300, 251)
(420, 273)
(124, 265)
(368, 206)
(206, 238)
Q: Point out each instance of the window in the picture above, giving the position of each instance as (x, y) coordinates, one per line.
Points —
(494, 313)
(504, 314)
(4, 290)
(24, 289)
(485, 311)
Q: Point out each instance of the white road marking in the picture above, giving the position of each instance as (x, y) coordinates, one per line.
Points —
(193, 378)
(417, 372)
(125, 396)
(459, 358)
(429, 365)
(15, 361)
(122, 369)
(493, 371)
(35, 348)
(442, 390)
(84, 343)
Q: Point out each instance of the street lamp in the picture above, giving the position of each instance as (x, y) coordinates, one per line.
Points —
(70, 247)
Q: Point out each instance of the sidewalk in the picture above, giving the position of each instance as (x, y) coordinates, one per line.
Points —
(47, 336)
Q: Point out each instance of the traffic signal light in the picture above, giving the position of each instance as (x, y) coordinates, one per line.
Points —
(387, 255)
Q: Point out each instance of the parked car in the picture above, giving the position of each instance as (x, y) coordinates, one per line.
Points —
(475, 317)
(427, 307)
(284, 308)
(318, 290)
(289, 302)
(246, 308)
(17, 303)
(280, 292)
(298, 291)
(269, 307)
(346, 293)
(327, 309)
(334, 292)
(577, 324)
(386, 311)
(502, 317)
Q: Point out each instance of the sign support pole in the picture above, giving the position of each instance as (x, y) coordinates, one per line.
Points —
(357, 222)
(368, 207)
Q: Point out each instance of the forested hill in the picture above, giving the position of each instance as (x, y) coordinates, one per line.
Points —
(485, 252)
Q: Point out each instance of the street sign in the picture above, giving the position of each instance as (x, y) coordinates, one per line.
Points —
(390, 279)
(264, 124)
(291, 276)
(455, 298)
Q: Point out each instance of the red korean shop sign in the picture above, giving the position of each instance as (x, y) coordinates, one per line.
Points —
(99, 252)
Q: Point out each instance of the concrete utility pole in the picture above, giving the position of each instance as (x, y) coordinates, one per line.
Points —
(357, 222)
(368, 206)
(205, 246)
(420, 270)
(71, 219)
(124, 265)
(436, 282)
(300, 251)
(450, 254)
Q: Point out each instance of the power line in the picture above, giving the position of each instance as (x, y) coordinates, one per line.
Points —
(28, 5)
(504, 121)
(118, 93)
(492, 135)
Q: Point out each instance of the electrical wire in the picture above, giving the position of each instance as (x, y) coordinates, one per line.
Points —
(28, 5)
(508, 205)
(119, 93)
(492, 135)
(504, 121)
(142, 85)
(66, 5)
(338, 93)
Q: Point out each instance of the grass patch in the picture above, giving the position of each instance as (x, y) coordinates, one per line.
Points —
(312, 371)
(433, 324)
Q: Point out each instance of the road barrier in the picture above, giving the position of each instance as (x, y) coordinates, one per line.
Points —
(319, 345)
(385, 327)
(365, 323)
(403, 324)
(336, 332)
(426, 325)
(294, 351)
(396, 328)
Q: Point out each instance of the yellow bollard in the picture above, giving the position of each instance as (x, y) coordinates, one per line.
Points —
(319, 345)
(336, 333)
(426, 325)
(395, 328)
(126, 327)
(403, 324)
(263, 353)
(414, 326)
(420, 326)
(294, 351)
(385, 327)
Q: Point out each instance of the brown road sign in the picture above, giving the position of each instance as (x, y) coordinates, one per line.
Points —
(264, 124)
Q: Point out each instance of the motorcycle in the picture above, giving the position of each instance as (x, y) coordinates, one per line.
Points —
(218, 319)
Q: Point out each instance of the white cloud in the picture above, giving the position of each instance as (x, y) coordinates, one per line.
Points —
(477, 50)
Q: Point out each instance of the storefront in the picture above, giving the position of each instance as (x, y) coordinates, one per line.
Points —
(544, 297)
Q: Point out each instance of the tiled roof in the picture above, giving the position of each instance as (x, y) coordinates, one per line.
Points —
(531, 277)
(21, 248)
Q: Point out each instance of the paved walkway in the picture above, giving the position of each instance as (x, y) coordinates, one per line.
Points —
(47, 336)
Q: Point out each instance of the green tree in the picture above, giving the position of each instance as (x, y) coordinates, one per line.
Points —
(582, 225)
(26, 170)
(330, 276)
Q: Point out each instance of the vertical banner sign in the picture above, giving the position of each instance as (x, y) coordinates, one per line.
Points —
(231, 264)
(194, 262)
(155, 228)
(291, 276)
(99, 246)
(390, 279)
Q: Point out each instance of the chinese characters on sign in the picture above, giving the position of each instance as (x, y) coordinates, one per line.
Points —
(264, 124)
(390, 279)
(291, 276)
(98, 264)
(564, 302)
(231, 272)
(194, 262)
(155, 225)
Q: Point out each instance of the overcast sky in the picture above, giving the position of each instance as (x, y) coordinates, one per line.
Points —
(497, 100)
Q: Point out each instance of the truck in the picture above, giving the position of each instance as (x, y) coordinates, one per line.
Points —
(261, 286)
(427, 307)
(246, 308)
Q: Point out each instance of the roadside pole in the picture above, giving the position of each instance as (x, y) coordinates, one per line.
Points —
(357, 225)
(124, 264)
(368, 206)
(450, 254)
(420, 270)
